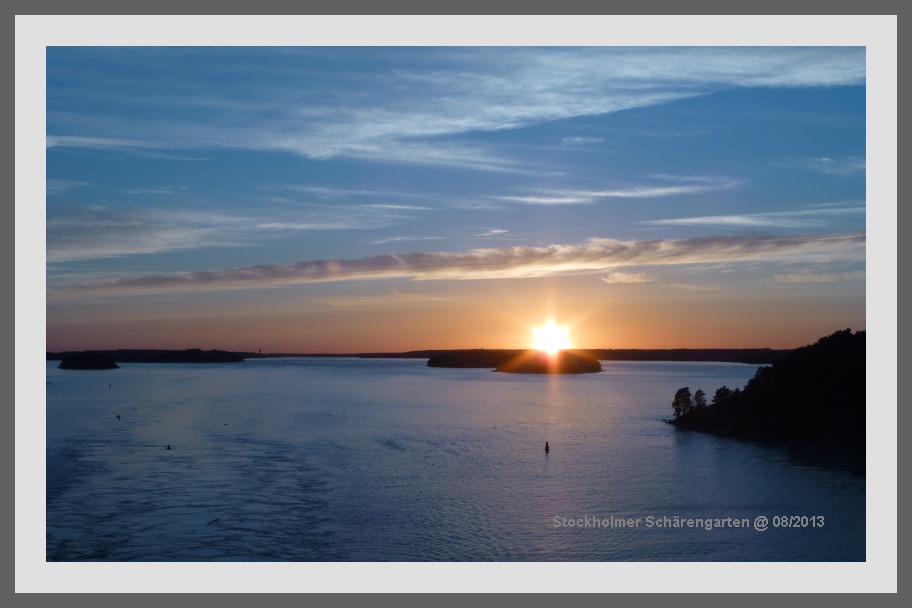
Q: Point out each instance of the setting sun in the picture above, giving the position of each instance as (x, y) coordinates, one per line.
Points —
(550, 338)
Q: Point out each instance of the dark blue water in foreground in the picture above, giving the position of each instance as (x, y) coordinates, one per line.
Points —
(389, 460)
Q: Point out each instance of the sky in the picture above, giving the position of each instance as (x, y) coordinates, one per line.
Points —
(363, 199)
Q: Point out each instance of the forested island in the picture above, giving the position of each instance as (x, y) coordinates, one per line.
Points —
(562, 362)
(812, 401)
(87, 361)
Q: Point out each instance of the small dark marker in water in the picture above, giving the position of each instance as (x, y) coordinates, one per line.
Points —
(547, 449)
(118, 416)
(168, 447)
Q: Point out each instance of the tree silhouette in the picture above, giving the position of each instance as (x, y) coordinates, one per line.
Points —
(699, 399)
(683, 402)
(723, 393)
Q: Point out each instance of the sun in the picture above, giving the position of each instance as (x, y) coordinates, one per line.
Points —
(551, 338)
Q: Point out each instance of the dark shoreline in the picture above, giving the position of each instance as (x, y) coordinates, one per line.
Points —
(193, 355)
(490, 357)
(811, 403)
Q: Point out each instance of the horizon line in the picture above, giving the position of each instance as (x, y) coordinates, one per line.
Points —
(403, 352)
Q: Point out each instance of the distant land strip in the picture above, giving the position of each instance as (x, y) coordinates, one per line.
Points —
(442, 358)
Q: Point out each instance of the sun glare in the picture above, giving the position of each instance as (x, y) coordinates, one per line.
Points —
(550, 338)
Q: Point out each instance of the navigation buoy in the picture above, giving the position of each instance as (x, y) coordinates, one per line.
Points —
(547, 449)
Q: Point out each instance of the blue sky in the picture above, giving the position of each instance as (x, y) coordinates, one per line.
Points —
(383, 198)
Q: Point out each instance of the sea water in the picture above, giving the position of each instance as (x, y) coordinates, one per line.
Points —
(344, 459)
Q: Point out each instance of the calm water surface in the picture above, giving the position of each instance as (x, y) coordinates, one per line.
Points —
(379, 460)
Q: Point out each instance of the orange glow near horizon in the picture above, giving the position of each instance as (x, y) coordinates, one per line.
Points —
(551, 338)
(427, 315)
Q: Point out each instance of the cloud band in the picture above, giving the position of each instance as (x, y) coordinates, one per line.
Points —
(596, 255)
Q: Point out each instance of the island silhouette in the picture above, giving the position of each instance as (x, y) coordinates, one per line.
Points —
(540, 362)
(812, 401)
(87, 361)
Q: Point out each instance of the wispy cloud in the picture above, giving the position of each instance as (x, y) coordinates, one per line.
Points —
(95, 231)
(804, 218)
(334, 193)
(135, 147)
(577, 141)
(627, 277)
(410, 108)
(77, 141)
(54, 186)
(398, 207)
(832, 166)
(492, 232)
(596, 255)
(686, 185)
(299, 226)
(657, 191)
(397, 239)
(99, 231)
(692, 287)
(712, 180)
(548, 200)
(825, 277)
(164, 190)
